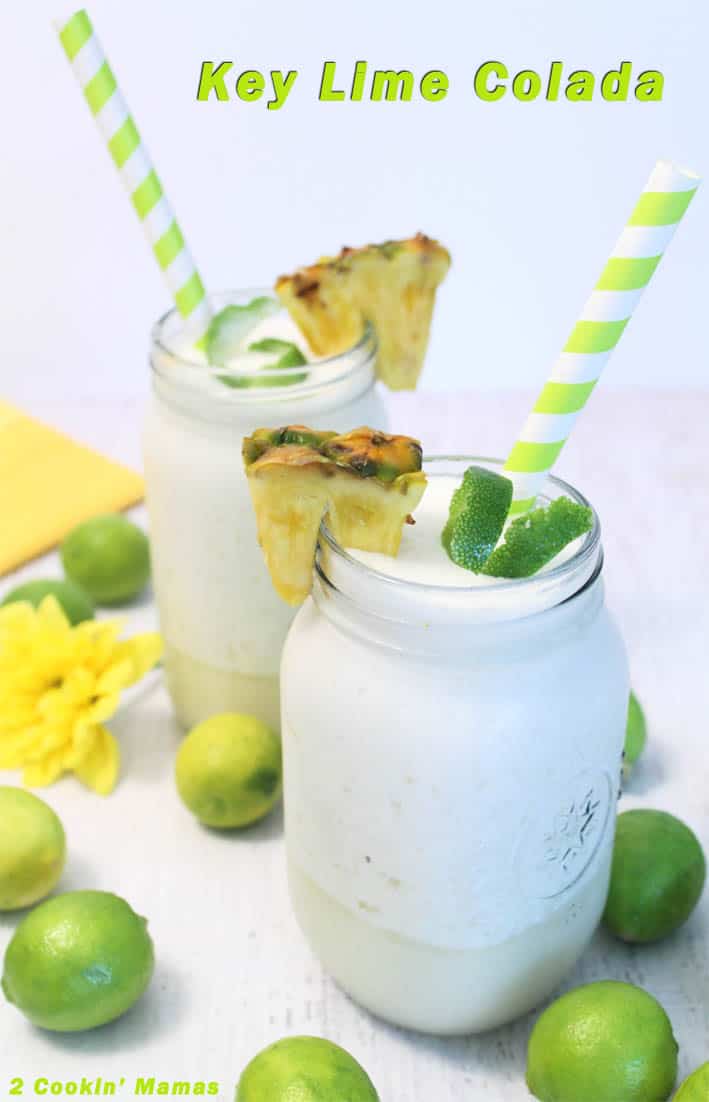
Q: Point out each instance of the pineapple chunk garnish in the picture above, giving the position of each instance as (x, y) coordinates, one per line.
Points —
(365, 483)
(392, 285)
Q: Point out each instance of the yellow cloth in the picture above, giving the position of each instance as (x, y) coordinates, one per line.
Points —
(48, 484)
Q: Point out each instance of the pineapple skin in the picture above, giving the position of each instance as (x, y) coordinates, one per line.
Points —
(365, 483)
(392, 285)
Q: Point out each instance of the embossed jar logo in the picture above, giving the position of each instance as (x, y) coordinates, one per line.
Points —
(559, 846)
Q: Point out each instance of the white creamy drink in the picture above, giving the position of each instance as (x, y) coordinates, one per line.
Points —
(452, 750)
(222, 623)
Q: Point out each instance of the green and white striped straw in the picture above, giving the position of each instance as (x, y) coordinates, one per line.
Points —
(135, 168)
(630, 268)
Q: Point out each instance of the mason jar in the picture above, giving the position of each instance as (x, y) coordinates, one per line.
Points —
(452, 758)
(223, 624)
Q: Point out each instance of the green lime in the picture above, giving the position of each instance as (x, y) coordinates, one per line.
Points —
(305, 1069)
(635, 735)
(32, 849)
(76, 603)
(534, 539)
(476, 517)
(109, 557)
(696, 1087)
(78, 961)
(228, 770)
(657, 876)
(605, 1042)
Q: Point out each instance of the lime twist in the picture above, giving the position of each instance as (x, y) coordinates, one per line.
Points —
(78, 961)
(228, 770)
(259, 362)
(32, 849)
(229, 328)
(477, 515)
(605, 1042)
(533, 540)
(109, 557)
(657, 876)
(305, 1069)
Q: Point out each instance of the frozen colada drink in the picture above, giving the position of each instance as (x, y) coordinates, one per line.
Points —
(222, 367)
(453, 718)
(452, 735)
(222, 623)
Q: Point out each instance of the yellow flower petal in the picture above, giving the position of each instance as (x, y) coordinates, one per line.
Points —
(99, 768)
(20, 615)
(99, 637)
(100, 709)
(116, 677)
(52, 615)
(40, 774)
(143, 651)
(58, 684)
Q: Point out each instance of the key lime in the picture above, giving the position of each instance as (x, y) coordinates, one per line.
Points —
(657, 876)
(635, 735)
(476, 517)
(78, 961)
(109, 557)
(696, 1087)
(76, 603)
(32, 849)
(228, 770)
(305, 1069)
(605, 1042)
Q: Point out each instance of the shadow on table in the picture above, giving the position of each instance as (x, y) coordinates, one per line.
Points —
(158, 1012)
(498, 1054)
(673, 971)
(78, 875)
(147, 732)
(648, 773)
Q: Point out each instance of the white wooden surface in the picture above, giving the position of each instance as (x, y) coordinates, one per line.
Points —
(233, 972)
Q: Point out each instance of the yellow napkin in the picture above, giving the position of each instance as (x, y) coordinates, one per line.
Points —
(48, 484)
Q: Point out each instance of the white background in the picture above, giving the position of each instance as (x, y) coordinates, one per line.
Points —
(529, 197)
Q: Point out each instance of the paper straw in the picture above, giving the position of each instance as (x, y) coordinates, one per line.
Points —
(135, 168)
(627, 273)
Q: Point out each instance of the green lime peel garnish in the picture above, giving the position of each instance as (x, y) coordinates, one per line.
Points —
(229, 328)
(478, 511)
(635, 735)
(533, 540)
(477, 515)
(285, 355)
(225, 339)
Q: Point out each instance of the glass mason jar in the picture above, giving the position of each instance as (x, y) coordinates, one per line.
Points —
(222, 623)
(452, 760)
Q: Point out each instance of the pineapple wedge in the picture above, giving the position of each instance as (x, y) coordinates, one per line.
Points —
(392, 285)
(365, 482)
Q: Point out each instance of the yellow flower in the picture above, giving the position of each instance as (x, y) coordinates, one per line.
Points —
(58, 684)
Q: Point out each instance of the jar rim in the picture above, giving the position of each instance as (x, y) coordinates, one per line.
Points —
(348, 575)
(172, 365)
